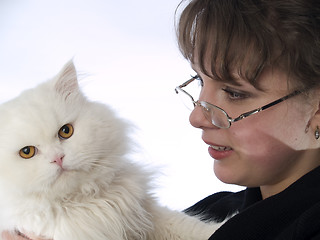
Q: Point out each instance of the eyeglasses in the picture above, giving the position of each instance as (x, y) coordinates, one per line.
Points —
(216, 115)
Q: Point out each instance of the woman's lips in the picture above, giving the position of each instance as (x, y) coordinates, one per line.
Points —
(220, 148)
(219, 152)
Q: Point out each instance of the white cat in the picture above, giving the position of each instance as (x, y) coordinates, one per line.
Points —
(64, 173)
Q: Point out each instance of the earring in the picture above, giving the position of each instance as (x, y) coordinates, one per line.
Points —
(317, 133)
(306, 130)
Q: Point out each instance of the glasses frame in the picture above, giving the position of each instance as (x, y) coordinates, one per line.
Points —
(208, 106)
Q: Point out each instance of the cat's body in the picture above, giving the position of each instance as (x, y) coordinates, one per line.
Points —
(71, 180)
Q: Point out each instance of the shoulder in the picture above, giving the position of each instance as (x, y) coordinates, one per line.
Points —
(217, 206)
(307, 226)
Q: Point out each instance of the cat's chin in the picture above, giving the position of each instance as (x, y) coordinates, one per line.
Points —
(64, 181)
(71, 182)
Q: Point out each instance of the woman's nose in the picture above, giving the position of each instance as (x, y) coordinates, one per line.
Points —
(198, 120)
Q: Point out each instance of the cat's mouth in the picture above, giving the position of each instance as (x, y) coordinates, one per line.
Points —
(63, 171)
(60, 172)
(60, 178)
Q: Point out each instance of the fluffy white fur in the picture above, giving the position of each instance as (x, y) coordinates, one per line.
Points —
(98, 193)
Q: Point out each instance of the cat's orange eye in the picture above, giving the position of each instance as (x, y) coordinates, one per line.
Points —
(66, 131)
(28, 152)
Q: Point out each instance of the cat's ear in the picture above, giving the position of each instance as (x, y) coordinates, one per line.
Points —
(67, 80)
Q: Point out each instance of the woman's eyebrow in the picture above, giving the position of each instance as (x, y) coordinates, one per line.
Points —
(237, 80)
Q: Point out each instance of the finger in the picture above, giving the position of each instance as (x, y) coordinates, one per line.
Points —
(30, 236)
(11, 236)
(33, 237)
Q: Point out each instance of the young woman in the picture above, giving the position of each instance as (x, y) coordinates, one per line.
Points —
(258, 65)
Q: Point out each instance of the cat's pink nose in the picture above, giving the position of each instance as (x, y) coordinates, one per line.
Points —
(58, 160)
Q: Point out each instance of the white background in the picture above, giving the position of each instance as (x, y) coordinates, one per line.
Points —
(127, 50)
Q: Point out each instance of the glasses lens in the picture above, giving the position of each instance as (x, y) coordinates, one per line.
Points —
(185, 98)
(215, 115)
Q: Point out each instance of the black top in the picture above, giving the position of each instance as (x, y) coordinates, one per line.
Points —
(291, 214)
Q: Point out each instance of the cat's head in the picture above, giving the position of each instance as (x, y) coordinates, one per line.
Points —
(53, 139)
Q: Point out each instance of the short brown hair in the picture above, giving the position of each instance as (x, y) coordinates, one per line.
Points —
(249, 35)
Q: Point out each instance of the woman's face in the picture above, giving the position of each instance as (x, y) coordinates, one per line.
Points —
(270, 149)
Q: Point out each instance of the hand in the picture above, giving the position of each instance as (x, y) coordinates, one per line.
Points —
(16, 236)
(11, 236)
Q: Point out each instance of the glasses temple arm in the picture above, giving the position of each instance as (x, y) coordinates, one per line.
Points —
(281, 99)
(188, 82)
(247, 114)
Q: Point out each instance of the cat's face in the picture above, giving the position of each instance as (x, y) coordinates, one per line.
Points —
(53, 140)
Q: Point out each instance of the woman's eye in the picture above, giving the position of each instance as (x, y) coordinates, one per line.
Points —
(66, 131)
(235, 95)
(28, 152)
